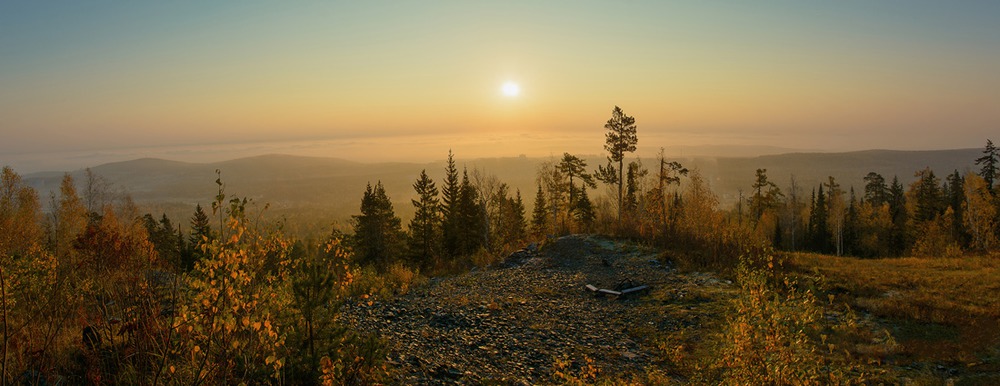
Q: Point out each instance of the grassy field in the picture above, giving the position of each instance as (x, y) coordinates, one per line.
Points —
(944, 314)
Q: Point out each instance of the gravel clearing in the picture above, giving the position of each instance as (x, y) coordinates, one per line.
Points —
(511, 324)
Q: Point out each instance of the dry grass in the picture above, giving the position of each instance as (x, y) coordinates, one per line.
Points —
(942, 312)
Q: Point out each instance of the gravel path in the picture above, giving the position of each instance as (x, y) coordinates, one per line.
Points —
(511, 324)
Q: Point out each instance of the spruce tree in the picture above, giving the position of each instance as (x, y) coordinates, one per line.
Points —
(897, 209)
(451, 222)
(539, 215)
(927, 196)
(471, 216)
(989, 162)
(851, 225)
(200, 233)
(818, 218)
(377, 231)
(518, 224)
(955, 196)
(876, 192)
(584, 212)
(425, 227)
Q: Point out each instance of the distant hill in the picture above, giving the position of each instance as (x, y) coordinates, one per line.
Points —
(326, 190)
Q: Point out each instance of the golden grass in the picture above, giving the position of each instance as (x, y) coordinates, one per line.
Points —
(940, 310)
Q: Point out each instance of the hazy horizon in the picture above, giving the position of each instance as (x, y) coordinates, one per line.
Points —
(389, 81)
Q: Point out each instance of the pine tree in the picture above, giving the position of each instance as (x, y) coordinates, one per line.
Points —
(572, 167)
(378, 235)
(989, 162)
(620, 139)
(765, 195)
(425, 226)
(539, 215)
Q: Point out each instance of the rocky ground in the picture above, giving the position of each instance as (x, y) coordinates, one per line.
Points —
(531, 317)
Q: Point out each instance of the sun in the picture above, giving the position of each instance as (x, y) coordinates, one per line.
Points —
(510, 89)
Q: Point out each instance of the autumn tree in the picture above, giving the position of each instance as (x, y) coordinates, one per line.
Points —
(168, 243)
(425, 226)
(981, 213)
(620, 139)
(378, 235)
(67, 220)
(556, 195)
(836, 214)
(791, 216)
(669, 174)
(19, 212)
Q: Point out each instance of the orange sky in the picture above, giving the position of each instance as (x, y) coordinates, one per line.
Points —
(106, 76)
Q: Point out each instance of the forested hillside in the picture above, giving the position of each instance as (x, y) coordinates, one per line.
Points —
(95, 289)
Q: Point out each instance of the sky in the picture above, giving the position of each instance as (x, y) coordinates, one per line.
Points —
(90, 81)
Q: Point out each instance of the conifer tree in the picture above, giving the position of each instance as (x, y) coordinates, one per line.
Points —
(989, 162)
(471, 217)
(851, 225)
(451, 222)
(635, 174)
(518, 224)
(620, 139)
(955, 196)
(574, 168)
(876, 192)
(584, 212)
(539, 215)
(927, 197)
(765, 195)
(425, 226)
(378, 235)
(897, 210)
(201, 233)
(818, 221)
